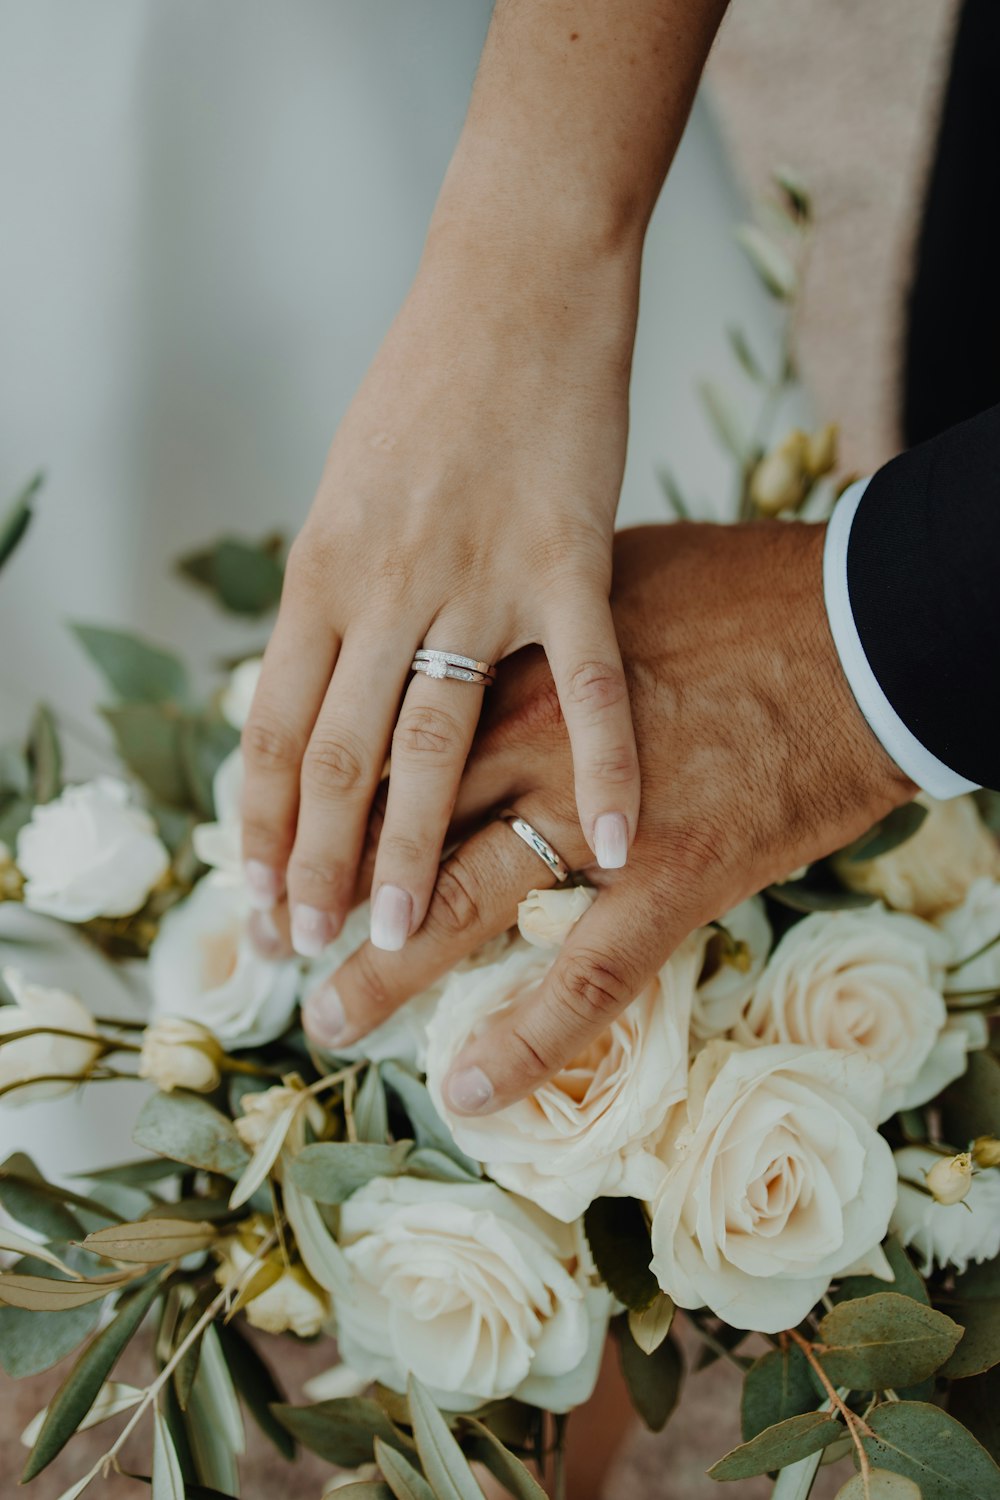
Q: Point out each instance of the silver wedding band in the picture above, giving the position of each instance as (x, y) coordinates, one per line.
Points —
(451, 664)
(537, 844)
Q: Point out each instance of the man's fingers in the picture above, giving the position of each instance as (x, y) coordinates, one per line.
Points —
(593, 694)
(608, 957)
(475, 899)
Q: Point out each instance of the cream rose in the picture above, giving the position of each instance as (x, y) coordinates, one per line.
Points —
(237, 695)
(946, 1234)
(290, 1302)
(43, 1056)
(725, 988)
(777, 1181)
(933, 870)
(590, 1130)
(545, 918)
(179, 1054)
(480, 1295)
(203, 967)
(90, 853)
(262, 1108)
(973, 930)
(219, 844)
(864, 981)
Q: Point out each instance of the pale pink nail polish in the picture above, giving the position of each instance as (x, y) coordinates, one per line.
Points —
(264, 884)
(325, 1019)
(469, 1091)
(312, 929)
(392, 911)
(611, 841)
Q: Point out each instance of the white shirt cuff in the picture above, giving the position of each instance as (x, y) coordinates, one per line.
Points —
(912, 758)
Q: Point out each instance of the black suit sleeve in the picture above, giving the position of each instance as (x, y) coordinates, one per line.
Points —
(923, 573)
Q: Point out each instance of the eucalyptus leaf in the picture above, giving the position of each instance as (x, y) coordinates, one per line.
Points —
(806, 896)
(888, 834)
(168, 1483)
(204, 743)
(747, 359)
(331, 1171)
(784, 1443)
(925, 1444)
(45, 756)
(152, 1241)
(776, 1386)
(137, 671)
(424, 1161)
(80, 1389)
(724, 419)
(653, 1380)
(618, 1236)
(255, 1172)
(405, 1482)
(886, 1340)
(769, 260)
(443, 1461)
(186, 1128)
(148, 739)
(371, 1111)
(32, 1201)
(881, 1484)
(428, 1126)
(256, 1385)
(34, 1341)
(17, 517)
(487, 1449)
(213, 1421)
(52, 1294)
(342, 1431)
(979, 1349)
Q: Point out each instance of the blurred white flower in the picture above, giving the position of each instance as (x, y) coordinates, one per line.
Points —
(722, 994)
(90, 853)
(971, 927)
(945, 1234)
(262, 1109)
(203, 967)
(864, 981)
(237, 695)
(289, 1301)
(777, 1181)
(545, 918)
(479, 1294)
(219, 844)
(986, 1151)
(934, 869)
(43, 1056)
(591, 1130)
(180, 1054)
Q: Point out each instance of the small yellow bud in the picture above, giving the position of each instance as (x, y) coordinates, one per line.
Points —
(821, 450)
(986, 1151)
(949, 1180)
(780, 481)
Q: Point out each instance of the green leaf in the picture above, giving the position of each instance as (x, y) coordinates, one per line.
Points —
(797, 196)
(44, 756)
(908, 1282)
(168, 1483)
(331, 1171)
(873, 1343)
(424, 1161)
(405, 1482)
(17, 517)
(148, 739)
(245, 577)
(650, 1325)
(443, 1461)
(152, 1241)
(204, 744)
(745, 355)
(32, 1201)
(727, 425)
(139, 1173)
(801, 895)
(186, 1128)
(213, 1421)
(365, 1489)
(882, 1485)
(887, 834)
(971, 1105)
(371, 1112)
(673, 494)
(187, 1366)
(976, 1305)
(777, 1446)
(79, 1390)
(618, 1236)
(256, 1385)
(925, 1444)
(343, 1431)
(487, 1449)
(653, 1380)
(34, 1341)
(777, 1386)
(137, 671)
(769, 261)
(428, 1126)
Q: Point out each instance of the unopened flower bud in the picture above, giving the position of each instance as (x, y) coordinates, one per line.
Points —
(986, 1151)
(821, 451)
(950, 1178)
(780, 481)
(180, 1054)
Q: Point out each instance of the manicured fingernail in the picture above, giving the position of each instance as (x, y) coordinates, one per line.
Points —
(611, 841)
(391, 913)
(469, 1091)
(263, 883)
(312, 929)
(324, 1018)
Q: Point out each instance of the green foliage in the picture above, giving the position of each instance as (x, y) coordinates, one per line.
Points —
(186, 1128)
(443, 1461)
(135, 670)
(371, 1110)
(331, 1171)
(486, 1448)
(925, 1444)
(975, 1304)
(256, 1385)
(428, 1127)
(725, 421)
(618, 1236)
(976, 1404)
(653, 1380)
(405, 1482)
(44, 756)
(775, 1447)
(342, 1431)
(971, 1105)
(908, 1282)
(810, 894)
(884, 1341)
(33, 1341)
(888, 833)
(770, 261)
(243, 577)
(17, 517)
(776, 1386)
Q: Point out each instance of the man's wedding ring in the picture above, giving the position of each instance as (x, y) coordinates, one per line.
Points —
(441, 664)
(537, 844)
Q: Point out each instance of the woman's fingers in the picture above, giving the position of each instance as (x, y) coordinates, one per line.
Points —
(295, 674)
(587, 667)
(429, 748)
(341, 768)
(475, 899)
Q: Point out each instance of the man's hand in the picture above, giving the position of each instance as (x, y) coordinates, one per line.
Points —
(755, 760)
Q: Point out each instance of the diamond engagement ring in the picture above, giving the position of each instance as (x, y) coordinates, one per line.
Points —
(537, 844)
(441, 664)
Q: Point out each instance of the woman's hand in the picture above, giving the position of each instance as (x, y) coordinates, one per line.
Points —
(467, 505)
(755, 760)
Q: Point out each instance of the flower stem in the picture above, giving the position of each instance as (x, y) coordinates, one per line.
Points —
(855, 1425)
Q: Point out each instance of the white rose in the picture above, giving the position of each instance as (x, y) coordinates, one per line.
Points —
(590, 1130)
(219, 844)
(202, 966)
(43, 1056)
(933, 870)
(777, 1182)
(722, 994)
(946, 1234)
(90, 853)
(865, 981)
(479, 1295)
(237, 695)
(290, 1303)
(971, 927)
(545, 918)
(179, 1054)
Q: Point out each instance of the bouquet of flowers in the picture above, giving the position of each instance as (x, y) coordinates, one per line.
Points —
(792, 1132)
